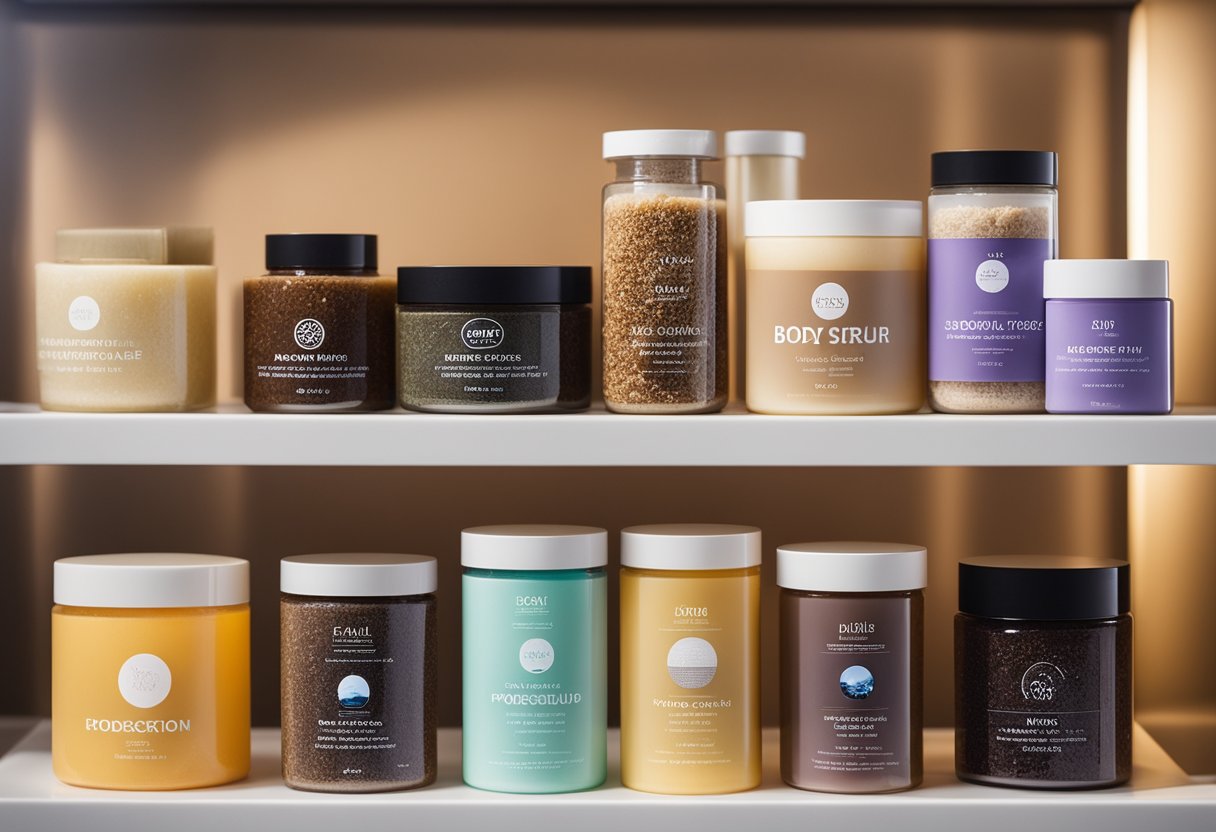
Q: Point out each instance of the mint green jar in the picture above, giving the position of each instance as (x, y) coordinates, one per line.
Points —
(535, 658)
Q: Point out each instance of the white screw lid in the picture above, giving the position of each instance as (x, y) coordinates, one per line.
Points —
(766, 143)
(534, 547)
(151, 581)
(690, 546)
(852, 566)
(834, 218)
(358, 575)
(1106, 279)
(692, 144)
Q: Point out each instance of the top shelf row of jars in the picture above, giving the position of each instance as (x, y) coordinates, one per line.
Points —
(843, 306)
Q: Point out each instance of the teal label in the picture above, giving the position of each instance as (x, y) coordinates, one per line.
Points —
(535, 681)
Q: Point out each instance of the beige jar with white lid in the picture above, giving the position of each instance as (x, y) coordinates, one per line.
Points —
(835, 307)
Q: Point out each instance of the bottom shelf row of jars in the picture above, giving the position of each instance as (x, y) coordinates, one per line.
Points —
(151, 671)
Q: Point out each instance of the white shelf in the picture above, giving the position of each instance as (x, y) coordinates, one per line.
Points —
(234, 436)
(1160, 796)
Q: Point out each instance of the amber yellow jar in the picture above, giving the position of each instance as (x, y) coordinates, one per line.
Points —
(690, 658)
(150, 671)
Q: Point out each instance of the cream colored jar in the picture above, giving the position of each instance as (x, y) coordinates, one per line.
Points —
(126, 321)
(835, 307)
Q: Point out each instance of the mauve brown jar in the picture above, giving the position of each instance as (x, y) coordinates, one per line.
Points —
(852, 647)
(1043, 672)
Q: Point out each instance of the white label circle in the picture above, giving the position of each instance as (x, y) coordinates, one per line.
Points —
(144, 680)
(309, 334)
(84, 313)
(992, 276)
(830, 301)
(536, 655)
(692, 663)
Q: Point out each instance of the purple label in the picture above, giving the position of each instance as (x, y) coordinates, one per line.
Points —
(986, 309)
(1109, 356)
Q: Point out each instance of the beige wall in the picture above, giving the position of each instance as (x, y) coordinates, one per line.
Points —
(474, 137)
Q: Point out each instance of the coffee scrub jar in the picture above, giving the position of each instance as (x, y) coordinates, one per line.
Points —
(1043, 672)
(319, 327)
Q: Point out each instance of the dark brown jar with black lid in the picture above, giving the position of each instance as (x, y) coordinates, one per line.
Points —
(1043, 672)
(319, 327)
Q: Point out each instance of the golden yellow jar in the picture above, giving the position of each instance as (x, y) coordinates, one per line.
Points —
(150, 671)
(690, 658)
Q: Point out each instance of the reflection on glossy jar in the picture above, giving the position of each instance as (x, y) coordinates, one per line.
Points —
(150, 671)
(319, 327)
(835, 307)
(1043, 672)
(690, 643)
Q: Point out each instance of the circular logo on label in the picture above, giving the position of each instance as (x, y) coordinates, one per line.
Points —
(482, 334)
(830, 301)
(144, 680)
(1041, 681)
(536, 655)
(856, 682)
(84, 313)
(692, 663)
(309, 334)
(992, 276)
(353, 692)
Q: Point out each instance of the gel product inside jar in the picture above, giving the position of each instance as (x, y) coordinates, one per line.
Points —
(319, 327)
(664, 275)
(494, 339)
(126, 320)
(1043, 672)
(535, 658)
(1109, 336)
(359, 657)
(852, 646)
(992, 224)
(690, 658)
(835, 307)
(150, 671)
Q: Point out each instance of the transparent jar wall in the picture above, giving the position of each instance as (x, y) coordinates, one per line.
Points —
(1000, 213)
(664, 289)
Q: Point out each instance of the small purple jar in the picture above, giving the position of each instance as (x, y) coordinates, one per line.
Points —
(1110, 333)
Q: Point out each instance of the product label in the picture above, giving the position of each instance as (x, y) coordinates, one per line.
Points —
(986, 316)
(454, 359)
(314, 370)
(822, 336)
(1108, 356)
(850, 706)
(356, 697)
(534, 680)
(144, 682)
(73, 355)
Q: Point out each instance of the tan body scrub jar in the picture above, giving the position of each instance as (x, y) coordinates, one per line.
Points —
(835, 307)
(992, 224)
(319, 327)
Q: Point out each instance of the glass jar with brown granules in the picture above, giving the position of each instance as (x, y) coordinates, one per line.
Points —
(992, 224)
(664, 274)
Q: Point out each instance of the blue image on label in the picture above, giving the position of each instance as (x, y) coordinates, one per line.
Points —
(353, 692)
(856, 682)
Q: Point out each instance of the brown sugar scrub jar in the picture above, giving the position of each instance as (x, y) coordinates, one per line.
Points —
(852, 648)
(359, 656)
(664, 275)
(835, 307)
(1043, 672)
(319, 327)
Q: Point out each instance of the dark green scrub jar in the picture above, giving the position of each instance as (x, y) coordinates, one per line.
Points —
(494, 339)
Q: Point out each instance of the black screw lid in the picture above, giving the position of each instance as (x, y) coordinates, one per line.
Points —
(1043, 588)
(995, 167)
(313, 252)
(492, 285)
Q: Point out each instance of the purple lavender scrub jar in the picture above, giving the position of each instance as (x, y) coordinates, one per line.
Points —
(1109, 336)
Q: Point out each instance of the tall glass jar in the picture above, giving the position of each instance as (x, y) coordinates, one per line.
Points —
(664, 272)
(993, 222)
